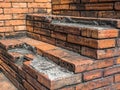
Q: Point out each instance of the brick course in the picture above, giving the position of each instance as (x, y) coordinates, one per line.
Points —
(87, 8)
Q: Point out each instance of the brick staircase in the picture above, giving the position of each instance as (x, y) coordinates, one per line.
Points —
(64, 53)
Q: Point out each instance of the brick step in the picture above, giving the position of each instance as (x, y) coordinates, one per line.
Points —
(83, 20)
(65, 58)
(47, 72)
(77, 37)
(68, 59)
(50, 74)
(41, 70)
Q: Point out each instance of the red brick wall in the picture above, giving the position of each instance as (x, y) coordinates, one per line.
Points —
(87, 8)
(13, 12)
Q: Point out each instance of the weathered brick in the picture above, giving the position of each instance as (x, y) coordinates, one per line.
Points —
(39, 5)
(86, 1)
(27, 85)
(34, 82)
(29, 70)
(95, 84)
(18, 5)
(66, 1)
(54, 84)
(19, 28)
(111, 70)
(100, 54)
(5, 5)
(1, 10)
(90, 75)
(117, 77)
(71, 61)
(116, 86)
(118, 60)
(58, 35)
(110, 33)
(103, 6)
(42, 31)
(91, 42)
(48, 39)
(10, 43)
(117, 5)
(19, 16)
(67, 29)
(19, 1)
(15, 10)
(5, 17)
(14, 22)
(1, 23)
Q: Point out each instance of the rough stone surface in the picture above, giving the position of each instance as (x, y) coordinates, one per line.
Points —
(49, 68)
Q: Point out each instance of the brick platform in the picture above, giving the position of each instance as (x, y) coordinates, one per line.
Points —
(76, 34)
(61, 53)
(88, 71)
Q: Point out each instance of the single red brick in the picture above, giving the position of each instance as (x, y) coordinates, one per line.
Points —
(15, 10)
(5, 5)
(116, 86)
(18, 5)
(90, 75)
(98, 64)
(117, 5)
(61, 36)
(99, 6)
(5, 17)
(86, 1)
(68, 88)
(111, 70)
(27, 85)
(118, 60)
(42, 31)
(91, 85)
(48, 39)
(29, 56)
(117, 77)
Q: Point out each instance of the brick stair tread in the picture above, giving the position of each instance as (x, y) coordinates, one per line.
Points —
(100, 21)
(68, 59)
(50, 74)
(90, 27)
(91, 31)
(65, 58)
(62, 57)
(86, 30)
(45, 72)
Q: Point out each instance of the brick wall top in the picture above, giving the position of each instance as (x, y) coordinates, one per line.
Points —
(87, 8)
